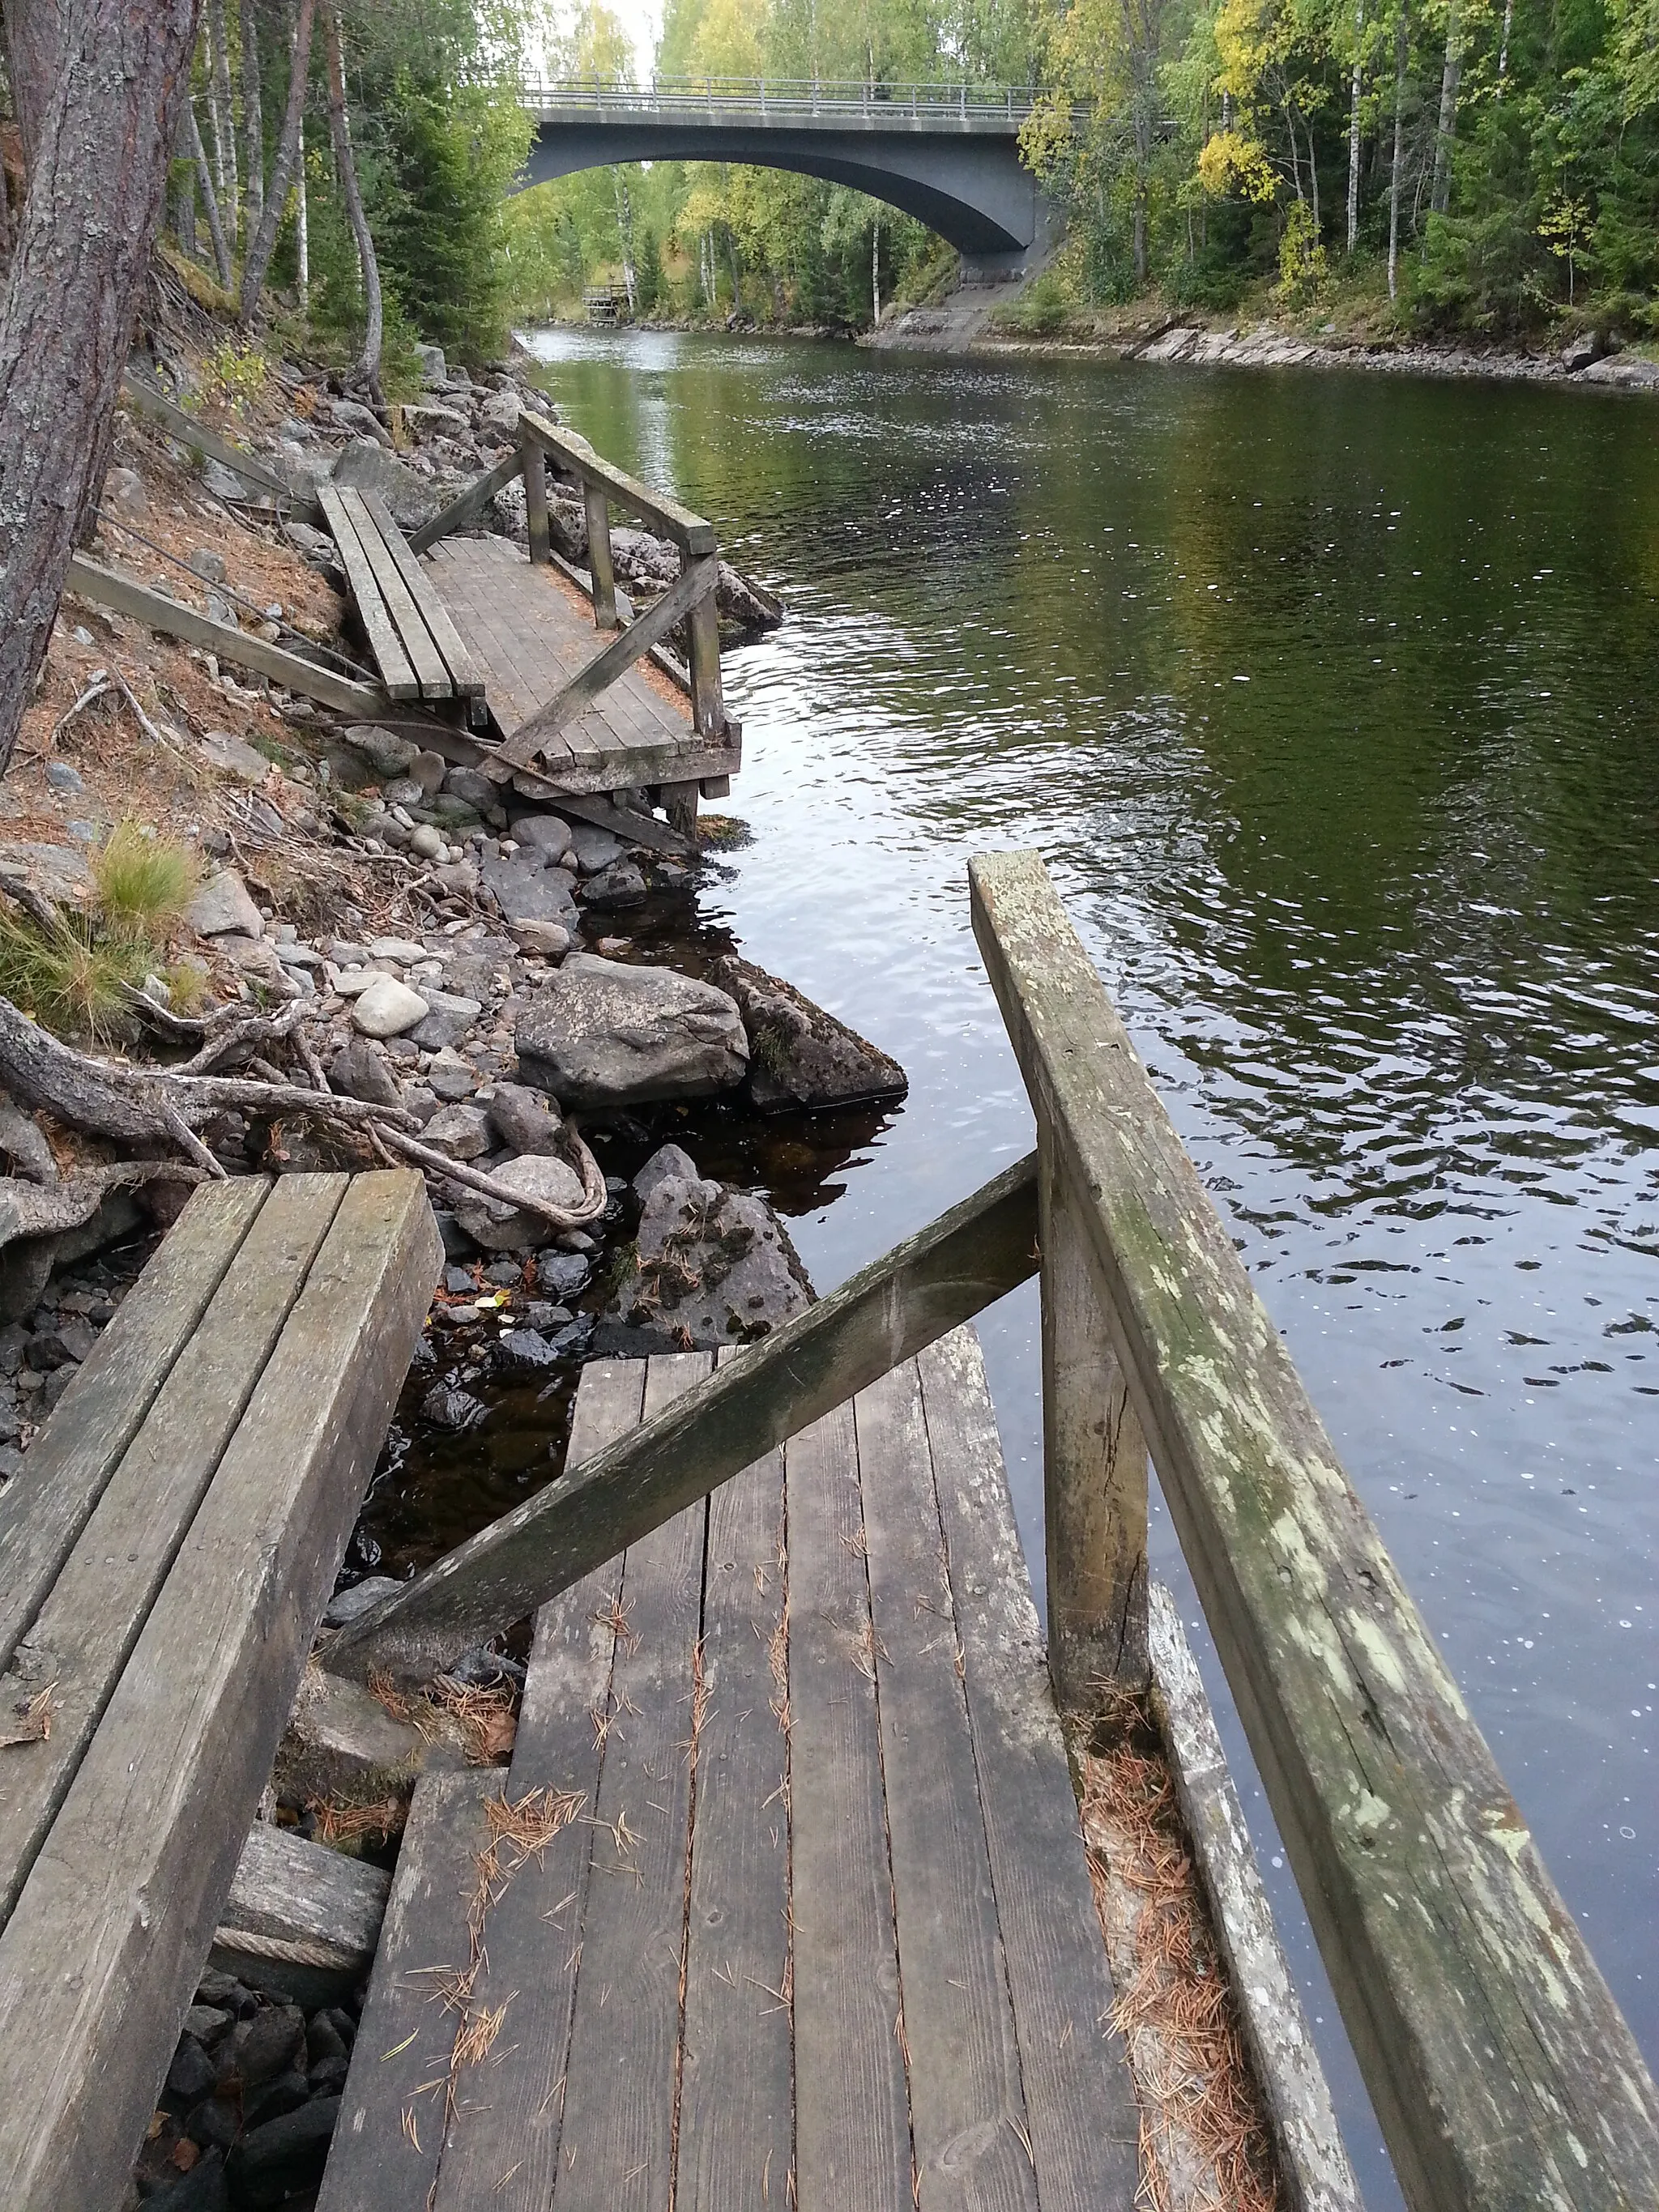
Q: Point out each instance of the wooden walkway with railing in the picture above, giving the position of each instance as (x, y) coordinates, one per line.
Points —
(1500, 2068)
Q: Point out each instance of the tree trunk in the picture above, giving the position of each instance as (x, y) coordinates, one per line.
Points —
(210, 200)
(301, 226)
(221, 108)
(1401, 53)
(1313, 181)
(183, 185)
(1450, 77)
(88, 228)
(625, 230)
(1503, 51)
(34, 44)
(875, 273)
(264, 244)
(253, 120)
(1354, 125)
(340, 130)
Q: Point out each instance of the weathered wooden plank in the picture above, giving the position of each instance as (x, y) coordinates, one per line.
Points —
(601, 568)
(737, 2107)
(386, 2144)
(605, 667)
(397, 671)
(502, 2150)
(1311, 2160)
(136, 392)
(102, 1951)
(968, 2115)
(768, 1392)
(708, 697)
(1502, 2071)
(408, 617)
(851, 2104)
(239, 646)
(1094, 1474)
(300, 1919)
(576, 458)
(617, 2150)
(75, 1649)
(1079, 2096)
(466, 507)
(466, 680)
(535, 494)
(44, 1509)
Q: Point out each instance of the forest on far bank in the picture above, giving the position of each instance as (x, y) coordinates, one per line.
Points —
(1465, 167)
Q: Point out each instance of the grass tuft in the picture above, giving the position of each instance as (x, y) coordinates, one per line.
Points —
(144, 883)
(69, 979)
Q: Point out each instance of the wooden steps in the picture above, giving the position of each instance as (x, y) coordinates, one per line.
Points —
(799, 1912)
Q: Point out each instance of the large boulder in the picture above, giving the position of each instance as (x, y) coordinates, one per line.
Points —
(799, 1056)
(710, 1265)
(222, 905)
(516, 1229)
(527, 889)
(365, 465)
(600, 1034)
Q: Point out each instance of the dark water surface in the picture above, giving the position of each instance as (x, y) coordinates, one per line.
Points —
(1330, 701)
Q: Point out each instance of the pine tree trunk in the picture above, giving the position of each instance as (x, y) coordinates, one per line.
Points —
(1450, 77)
(1402, 42)
(183, 185)
(33, 63)
(88, 228)
(301, 225)
(340, 130)
(1503, 51)
(221, 109)
(263, 245)
(253, 121)
(1353, 125)
(210, 200)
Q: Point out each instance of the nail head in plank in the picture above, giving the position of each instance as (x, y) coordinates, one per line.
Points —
(502, 2149)
(1080, 2095)
(380, 2162)
(44, 1509)
(79, 1641)
(102, 1953)
(617, 2151)
(852, 2105)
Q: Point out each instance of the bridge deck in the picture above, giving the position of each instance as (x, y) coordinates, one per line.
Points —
(786, 1904)
(530, 633)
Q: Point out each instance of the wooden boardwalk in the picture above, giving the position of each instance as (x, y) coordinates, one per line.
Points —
(531, 636)
(794, 1909)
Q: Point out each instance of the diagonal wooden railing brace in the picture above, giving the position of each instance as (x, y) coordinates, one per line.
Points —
(754, 1401)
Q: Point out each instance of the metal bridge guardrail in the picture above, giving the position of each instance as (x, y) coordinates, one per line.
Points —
(779, 97)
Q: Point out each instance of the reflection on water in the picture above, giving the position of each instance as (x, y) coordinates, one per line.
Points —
(1329, 700)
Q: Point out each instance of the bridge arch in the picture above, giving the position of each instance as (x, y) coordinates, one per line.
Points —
(954, 166)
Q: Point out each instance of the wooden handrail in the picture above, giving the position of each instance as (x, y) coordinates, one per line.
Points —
(1501, 2070)
(575, 457)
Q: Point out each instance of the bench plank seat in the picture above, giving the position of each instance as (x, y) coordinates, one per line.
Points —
(419, 651)
(397, 672)
(176, 1705)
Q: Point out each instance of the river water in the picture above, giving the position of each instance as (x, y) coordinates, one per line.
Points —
(1329, 699)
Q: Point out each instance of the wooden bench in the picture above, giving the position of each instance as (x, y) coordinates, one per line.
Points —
(165, 1556)
(416, 645)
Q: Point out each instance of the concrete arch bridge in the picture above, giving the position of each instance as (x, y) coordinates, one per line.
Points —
(947, 154)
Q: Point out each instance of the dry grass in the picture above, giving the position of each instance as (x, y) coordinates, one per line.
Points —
(1204, 2142)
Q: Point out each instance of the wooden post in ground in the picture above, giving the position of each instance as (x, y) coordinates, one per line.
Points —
(535, 493)
(1094, 1468)
(600, 568)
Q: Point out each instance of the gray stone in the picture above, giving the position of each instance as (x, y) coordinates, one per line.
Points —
(426, 842)
(365, 466)
(403, 791)
(278, 2160)
(223, 905)
(525, 1351)
(434, 370)
(123, 489)
(523, 1120)
(207, 2023)
(547, 833)
(564, 1273)
(449, 1017)
(352, 415)
(421, 1101)
(265, 2047)
(711, 1266)
(388, 1008)
(548, 940)
(460, 1133)
(341, 1743)
(358, 1071)
(600, 1034)
(799, 1056)
(459, 876)
(61, 777)
(1580, 351)
(529, 890)
(434, 419)
(451, 1077)
(471, 785)
(595, 848)
(26, 1149)
(429, 771)
(208, 564)
(204, 2188)
(386, 752)
(345, 1605)
(500, 412)
(668, 1160)
(233, 756)
(448, 1408)
(192, 2073)
(620, 885)
(514, 1229)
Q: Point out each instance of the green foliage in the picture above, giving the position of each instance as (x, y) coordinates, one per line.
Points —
(74, 977)
(143, 882)
(234, 373)
(1303, 268)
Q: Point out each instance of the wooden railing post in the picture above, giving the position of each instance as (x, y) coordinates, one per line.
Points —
(707, 696)
(535, 492)
(1094, 1463)
(597, 507)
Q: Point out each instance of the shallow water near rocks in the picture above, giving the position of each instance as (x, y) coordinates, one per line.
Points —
(1328, 699)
